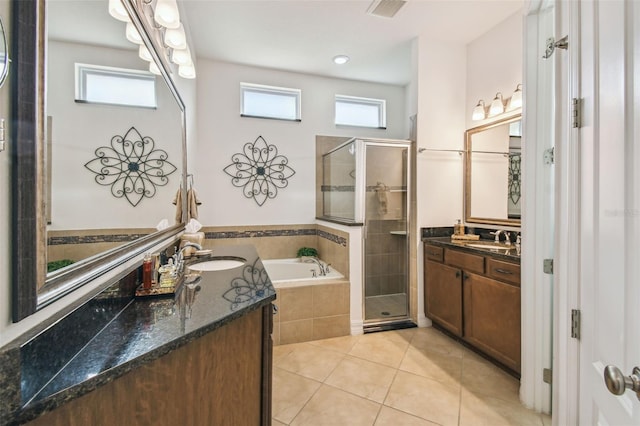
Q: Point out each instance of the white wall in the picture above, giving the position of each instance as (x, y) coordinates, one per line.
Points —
(494, 64)
(78, 129)
(222, 133)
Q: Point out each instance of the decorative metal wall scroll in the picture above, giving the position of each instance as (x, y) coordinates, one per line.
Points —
(259, 171)
(514, 177)
(252, 285)
(131, 166)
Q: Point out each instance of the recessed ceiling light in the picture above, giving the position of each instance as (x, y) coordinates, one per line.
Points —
(341, 59)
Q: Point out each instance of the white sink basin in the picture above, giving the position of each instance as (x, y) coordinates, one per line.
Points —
(489, 246)
(217, 264)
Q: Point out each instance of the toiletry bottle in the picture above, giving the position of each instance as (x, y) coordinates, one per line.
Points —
(458, 228)
(147, 272)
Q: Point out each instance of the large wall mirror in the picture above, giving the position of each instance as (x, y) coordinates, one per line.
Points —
(64, 207)
(493, 186)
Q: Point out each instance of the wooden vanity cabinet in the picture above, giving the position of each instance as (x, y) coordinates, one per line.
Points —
(476, 298)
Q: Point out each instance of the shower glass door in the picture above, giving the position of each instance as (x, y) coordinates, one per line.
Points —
(386, 239)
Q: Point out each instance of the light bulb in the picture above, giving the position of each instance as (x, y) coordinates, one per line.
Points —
(143, 52)
(175, 37)
(117, 10)
(341, 59)
(497, 105)
(166, 13)
(132, 34)
(187, 71)
(479, 111)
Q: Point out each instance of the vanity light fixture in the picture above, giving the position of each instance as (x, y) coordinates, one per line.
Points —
(341, 59)
(497, 105)
(153, 68)
(168, 31)
(479, 111)
(516, 99)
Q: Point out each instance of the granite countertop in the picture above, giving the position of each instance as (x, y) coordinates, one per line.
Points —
(139, 330)
(511, 255)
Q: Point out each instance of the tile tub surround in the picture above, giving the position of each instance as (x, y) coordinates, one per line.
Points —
(312, 312)
(141, 331)
(283, 241)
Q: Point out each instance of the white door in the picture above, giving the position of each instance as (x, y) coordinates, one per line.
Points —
(608, 206)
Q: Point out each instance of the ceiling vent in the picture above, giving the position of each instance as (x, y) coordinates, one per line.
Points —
(385, 8)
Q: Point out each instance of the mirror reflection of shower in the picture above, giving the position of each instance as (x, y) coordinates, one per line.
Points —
(366, 182)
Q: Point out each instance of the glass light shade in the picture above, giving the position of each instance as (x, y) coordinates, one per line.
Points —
(166, 13)
(516, 98)
(117, 10)
(132, 34)
(143, 52)
(479, 112)
(153, 68)
(181, 56)
(187, 71)
(497, 105)
(175, 38)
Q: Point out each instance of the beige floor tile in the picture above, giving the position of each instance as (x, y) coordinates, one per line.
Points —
(363, 378)
(425, 398)
(290, 393)
(274, 422)
(480, 376)
(431, 339)
(546, 419)
(281, 351)
(481, 410)
(391, 417)
(333, 407)
(340, 344)
(381, 348)
(433, 365)
(311, 361)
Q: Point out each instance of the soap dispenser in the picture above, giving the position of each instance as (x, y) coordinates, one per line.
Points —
(458, 228)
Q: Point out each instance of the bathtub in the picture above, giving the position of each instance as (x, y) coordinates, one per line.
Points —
(286, 273)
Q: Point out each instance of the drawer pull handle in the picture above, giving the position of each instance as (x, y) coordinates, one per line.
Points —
(434, 253)
(503, 271)
(457, 274)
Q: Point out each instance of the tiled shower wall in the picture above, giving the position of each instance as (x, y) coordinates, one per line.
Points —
(386, 258)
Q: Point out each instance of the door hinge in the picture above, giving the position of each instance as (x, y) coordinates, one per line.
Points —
(576, 113)
(547, 375)
(575, 323)
(547, 266)
(549, 156)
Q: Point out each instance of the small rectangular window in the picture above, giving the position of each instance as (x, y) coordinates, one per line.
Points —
(269, 102)
(115, 86)
(361, 112)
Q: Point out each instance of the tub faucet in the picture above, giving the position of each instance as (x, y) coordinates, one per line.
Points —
(506, 236)
(321, 266)
(180, 256)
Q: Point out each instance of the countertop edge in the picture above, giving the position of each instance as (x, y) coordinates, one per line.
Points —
(460, 245)
(40, 407)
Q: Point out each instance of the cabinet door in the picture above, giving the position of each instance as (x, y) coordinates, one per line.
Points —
(492, 318)
(443, 296)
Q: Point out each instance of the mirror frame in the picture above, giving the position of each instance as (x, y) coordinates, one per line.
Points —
(32, 289)
(467, 174)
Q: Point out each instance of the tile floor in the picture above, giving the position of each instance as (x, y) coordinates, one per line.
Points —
(415, 376)
(385, 306)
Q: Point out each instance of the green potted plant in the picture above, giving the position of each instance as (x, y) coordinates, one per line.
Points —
(305, 252)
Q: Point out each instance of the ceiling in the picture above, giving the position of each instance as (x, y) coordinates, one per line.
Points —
(304, 35)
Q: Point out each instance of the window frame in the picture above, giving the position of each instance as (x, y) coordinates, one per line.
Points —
(272, 90)
(82, 70)
(380, 103)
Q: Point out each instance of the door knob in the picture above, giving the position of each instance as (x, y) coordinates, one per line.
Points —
(617, 383)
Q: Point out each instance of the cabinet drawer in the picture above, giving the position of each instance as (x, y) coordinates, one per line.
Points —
(504, 271)
(433, 253)
(466, 261)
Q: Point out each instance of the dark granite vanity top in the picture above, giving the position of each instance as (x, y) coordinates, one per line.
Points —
(511, 255)
(112, 335)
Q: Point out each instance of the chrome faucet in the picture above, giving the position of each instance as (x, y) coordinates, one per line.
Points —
(180, 256)
(324, 269)
(507, 236)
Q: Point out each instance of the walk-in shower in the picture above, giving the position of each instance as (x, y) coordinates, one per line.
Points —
(366, 182)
